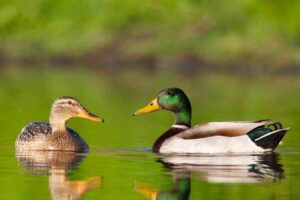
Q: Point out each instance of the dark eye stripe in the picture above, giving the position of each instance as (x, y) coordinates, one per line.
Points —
(65, 102)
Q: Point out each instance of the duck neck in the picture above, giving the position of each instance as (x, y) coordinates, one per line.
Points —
(184, 117)
(58, 124)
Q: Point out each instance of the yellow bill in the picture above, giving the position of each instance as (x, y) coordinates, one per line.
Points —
(152, 106)
(146, 191)
(87, 115)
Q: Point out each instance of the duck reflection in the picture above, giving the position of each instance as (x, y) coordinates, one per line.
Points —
(215, 169)
(180, 190)
(56, 164)
(229, 169)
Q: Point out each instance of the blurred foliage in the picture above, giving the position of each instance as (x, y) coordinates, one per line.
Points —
(208, 33)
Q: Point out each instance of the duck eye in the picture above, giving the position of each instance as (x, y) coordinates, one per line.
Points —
(70, 103)
(168, 93)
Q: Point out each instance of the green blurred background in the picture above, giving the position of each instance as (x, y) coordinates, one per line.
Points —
(244, 36)
(236, 60)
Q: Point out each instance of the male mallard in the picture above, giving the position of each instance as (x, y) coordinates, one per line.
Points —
(55, 135)
(214, 137)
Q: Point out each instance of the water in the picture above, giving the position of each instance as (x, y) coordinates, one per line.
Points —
(120, 164)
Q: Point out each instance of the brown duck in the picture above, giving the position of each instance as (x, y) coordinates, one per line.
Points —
(55, 135)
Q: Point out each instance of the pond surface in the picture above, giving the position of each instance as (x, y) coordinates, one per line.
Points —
(120, 164)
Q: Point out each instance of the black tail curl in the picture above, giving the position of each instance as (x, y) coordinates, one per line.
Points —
(268, 136)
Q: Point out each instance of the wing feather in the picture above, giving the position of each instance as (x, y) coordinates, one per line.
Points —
(229, 129)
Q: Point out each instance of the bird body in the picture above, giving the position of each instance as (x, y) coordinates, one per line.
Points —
(212, 145)
(55, 135)
(39, 136)
(214, 137)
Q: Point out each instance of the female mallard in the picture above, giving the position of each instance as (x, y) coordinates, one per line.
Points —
(55, 135)
(214, 137)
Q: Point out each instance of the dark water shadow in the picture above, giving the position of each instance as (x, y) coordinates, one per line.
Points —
(56, 165)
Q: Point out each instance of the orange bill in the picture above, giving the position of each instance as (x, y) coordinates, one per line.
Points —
(146, 191)
(87, 115)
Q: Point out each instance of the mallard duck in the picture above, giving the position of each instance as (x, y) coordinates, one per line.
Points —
(55, 135)
(213, 137)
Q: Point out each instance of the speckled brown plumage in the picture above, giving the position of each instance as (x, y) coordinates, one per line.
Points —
(39, 136)
(55, 135)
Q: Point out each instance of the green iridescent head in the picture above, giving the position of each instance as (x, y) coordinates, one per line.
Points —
(172, 99)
